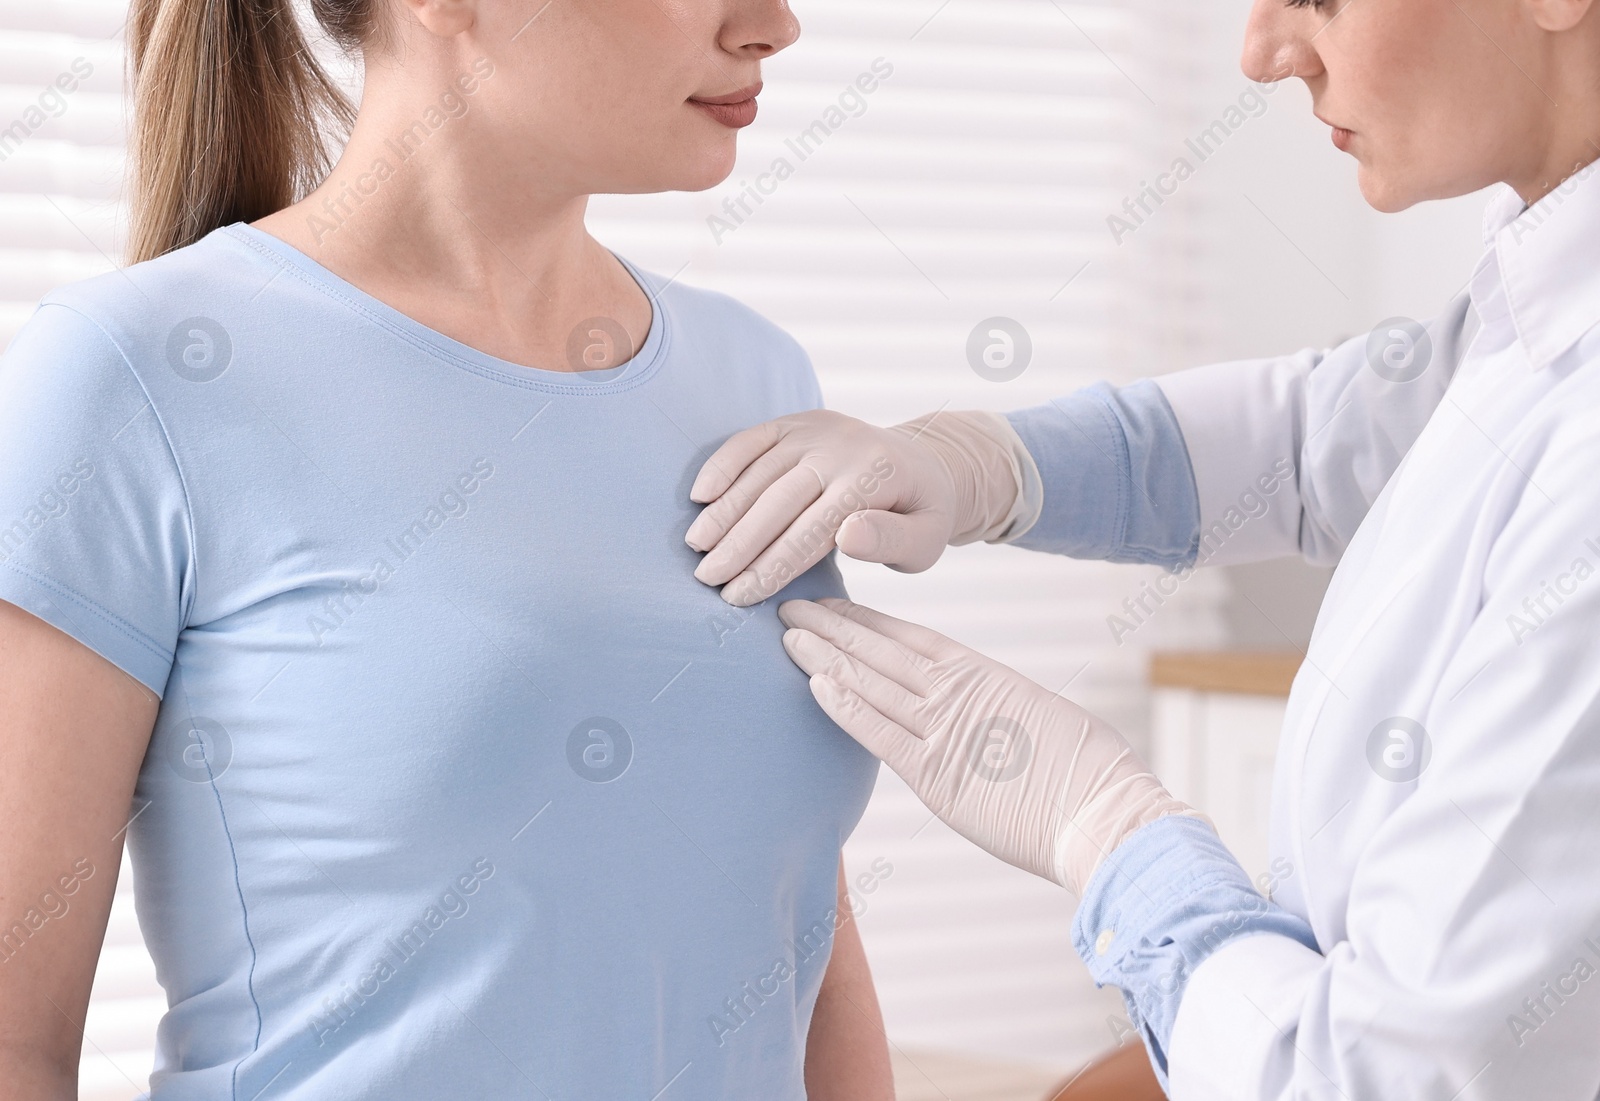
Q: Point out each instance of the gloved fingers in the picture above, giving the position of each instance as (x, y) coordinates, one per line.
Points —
(805, 541)
(884, 738)
(818, 656)
(878, 652)
(920, 640)
(755, 536)
(728, 462)
(909, 542)
(721, 515)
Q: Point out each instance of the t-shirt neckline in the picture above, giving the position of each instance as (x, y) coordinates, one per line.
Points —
(595, 383)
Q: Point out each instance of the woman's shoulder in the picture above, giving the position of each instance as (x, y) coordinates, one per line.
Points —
(733, 340)
(712, 308)
(140, 307)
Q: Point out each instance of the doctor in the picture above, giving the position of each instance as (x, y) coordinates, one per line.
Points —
(1437, 801)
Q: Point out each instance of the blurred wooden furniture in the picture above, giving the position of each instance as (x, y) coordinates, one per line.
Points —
(1237, 672)
(1123, 1075)
(1215, 722)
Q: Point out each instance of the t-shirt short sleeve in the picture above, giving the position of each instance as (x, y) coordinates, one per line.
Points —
(94, 525)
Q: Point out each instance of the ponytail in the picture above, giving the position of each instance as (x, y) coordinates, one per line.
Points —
(230, 113)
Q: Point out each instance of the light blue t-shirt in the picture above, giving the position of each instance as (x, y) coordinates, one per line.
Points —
(462, 786)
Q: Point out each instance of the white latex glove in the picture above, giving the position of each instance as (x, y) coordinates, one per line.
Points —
(1035, 780)
(781, 495)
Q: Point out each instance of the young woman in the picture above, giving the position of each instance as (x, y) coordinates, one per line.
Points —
(342, 575)
(1434, 921)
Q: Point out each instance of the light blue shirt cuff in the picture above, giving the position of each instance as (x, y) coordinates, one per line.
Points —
(1118, 484)
(1156, 908)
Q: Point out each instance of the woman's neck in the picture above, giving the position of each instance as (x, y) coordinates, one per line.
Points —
(418, 214)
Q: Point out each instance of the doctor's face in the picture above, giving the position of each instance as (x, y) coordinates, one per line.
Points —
(1435, 98)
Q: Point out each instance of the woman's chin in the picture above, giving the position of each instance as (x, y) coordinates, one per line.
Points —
(691, 173)
(711, 168)
(700, 157)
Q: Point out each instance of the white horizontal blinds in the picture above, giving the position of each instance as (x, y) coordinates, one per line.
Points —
(973, 181)
(61, 147)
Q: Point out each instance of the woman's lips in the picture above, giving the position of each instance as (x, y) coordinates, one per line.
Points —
(735, 111)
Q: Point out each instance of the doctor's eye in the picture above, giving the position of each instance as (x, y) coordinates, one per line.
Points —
(1317, 4)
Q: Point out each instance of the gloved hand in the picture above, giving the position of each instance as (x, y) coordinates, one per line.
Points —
(781, 495)
(1023, 773)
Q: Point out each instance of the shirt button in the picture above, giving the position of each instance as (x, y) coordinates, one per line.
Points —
(1102, 943)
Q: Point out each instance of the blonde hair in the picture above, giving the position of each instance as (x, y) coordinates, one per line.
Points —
(230, 112)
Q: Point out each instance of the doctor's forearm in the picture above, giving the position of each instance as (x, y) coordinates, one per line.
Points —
(1159, 905)
(1117, 479)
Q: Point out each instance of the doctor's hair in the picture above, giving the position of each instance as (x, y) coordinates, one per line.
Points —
(231, 112)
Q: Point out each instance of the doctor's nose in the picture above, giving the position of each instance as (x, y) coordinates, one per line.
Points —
(1278, 42)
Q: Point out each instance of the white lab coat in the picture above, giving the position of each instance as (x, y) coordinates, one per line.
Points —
(1457, 910)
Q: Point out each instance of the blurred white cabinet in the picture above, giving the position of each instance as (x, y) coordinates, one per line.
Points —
(1214, 731)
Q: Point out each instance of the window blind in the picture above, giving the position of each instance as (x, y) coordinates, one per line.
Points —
(61, 135)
